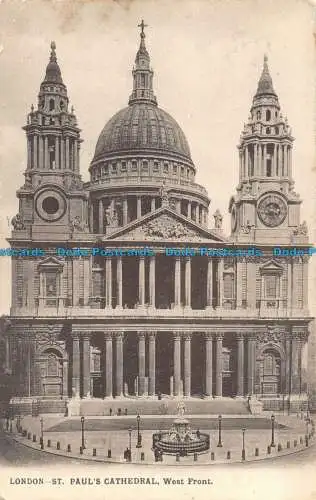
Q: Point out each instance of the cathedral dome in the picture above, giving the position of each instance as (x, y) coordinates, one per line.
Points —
(139, 128)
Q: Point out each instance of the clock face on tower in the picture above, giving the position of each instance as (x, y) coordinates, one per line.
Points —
(50, 205)
(272, 210)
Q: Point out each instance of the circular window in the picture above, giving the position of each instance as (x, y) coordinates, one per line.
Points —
(50, 205)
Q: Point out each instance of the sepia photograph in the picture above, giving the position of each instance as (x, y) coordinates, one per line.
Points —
(157, 225)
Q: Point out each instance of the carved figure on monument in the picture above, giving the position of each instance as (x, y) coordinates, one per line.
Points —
(218, 218)
(164, 195)
(17, 222)
(301, 230)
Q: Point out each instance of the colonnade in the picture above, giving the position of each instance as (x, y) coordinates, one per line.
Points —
(191, 209)
(114, 357)
(213, 297)
(66, 152)
(256, 165)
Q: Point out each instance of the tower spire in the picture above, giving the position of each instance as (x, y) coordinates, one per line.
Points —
(265, 85)
(53, 73)
(142, 73)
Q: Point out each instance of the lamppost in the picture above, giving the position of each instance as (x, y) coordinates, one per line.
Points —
(82, 433)
(42, 432)
(219, 444)
(243, 452)
(139, 437)
(130, 444)
(307, 422)
(272, 431)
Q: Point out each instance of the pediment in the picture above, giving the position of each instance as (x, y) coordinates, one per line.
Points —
(50, 263)
(166, 225)
(271, 267)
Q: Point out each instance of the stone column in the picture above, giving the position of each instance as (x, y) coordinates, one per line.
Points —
(178, 206)
(29, 153)
(141, 281)
(187, 365)
(125, 211)
(46, 152)
(57, 166)
(220, 268)
(35, 151)
(67, 153)
(41, 152)
(152, 281)
(189, 210)
(139, 207)
(208, 364)
(289, 173)
(108, 282)
(101, 217)
(209, 283)
(177, 282)
(108, 365)
(176, 362)
(62, 154)
(119, 363)
(251, 345)
(152, 364)
(141, 362)
(65, 378)
(153, 204)
(246, 161)
(240, 364)
(86, 364)
(76, 365)
(188, 282)
(287, 375)
(296, 363)
(219, 365)
(119, 282)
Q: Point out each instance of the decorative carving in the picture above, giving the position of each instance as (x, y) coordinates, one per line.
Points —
(301, 230)
(111, 218)
(17, 222)
(247, 228)
(218, 218)
(77, 226)
(272, 334)
(165, 227)
(246, 188)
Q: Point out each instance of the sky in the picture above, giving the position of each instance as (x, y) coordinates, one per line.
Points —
(207, 56)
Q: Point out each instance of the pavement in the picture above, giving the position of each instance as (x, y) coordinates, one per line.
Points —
(112, 433)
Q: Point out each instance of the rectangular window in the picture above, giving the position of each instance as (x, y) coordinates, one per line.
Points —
(134, 166)
(175, 169)
(51, 284)
(156, 166)
(166, 168)
(145, 166)
(123, 166)
(228, 286)
(271, 287)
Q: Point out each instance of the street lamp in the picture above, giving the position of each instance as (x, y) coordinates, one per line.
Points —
(82, 433)
(243, 452)
(130, 444)
(42, 432)
(219, 444)
(307, 422)
(139, 437)
(272, 431)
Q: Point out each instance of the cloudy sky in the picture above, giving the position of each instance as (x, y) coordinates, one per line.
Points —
(207, 57)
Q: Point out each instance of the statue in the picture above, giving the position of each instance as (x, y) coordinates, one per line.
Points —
(111, 218)
(181, 409)
(218, 219)
(78, 226)
(301, 230)
(17, 222)
(164, 195)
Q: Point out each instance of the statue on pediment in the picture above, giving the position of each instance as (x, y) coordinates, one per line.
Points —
(164, 195)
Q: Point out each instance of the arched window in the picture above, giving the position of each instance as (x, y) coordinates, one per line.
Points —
(268, 131)
(268, 115)
(258, 115)
(51, 104)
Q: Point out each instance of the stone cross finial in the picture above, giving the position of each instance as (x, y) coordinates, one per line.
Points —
(142, 25)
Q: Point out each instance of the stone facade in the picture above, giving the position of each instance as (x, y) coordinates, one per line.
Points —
(138, 322)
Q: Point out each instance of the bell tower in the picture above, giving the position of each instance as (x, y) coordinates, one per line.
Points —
(266, 207)
(52, 196)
